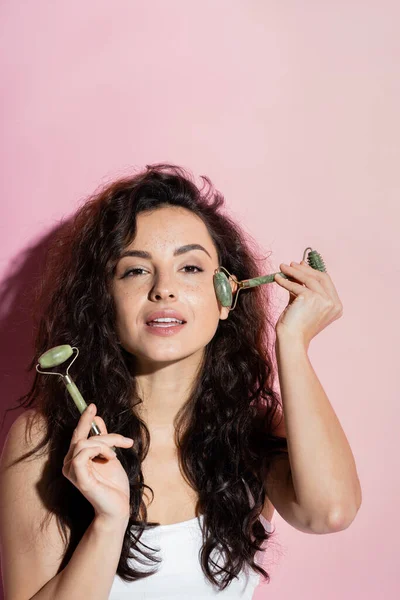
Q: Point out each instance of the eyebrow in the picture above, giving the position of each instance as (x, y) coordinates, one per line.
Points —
(177, 251)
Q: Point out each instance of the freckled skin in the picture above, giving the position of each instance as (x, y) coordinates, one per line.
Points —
(163, 282)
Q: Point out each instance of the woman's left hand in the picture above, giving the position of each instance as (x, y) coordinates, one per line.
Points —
(313, 302)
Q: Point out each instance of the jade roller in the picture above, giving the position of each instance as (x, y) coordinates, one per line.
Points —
(55, 357)
(223, 288)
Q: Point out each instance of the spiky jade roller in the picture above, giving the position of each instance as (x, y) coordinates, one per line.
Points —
(223, 288)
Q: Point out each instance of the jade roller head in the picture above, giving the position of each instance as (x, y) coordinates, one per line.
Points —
(57, 356)
(223, 288)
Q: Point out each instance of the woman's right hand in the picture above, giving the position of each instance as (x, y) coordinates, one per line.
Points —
(103, 481)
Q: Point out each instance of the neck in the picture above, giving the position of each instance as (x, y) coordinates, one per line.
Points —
(164, 388)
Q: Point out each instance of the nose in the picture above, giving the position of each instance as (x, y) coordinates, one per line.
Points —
(163, 288)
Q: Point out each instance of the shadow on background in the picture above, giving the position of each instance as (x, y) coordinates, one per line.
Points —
(19, 321)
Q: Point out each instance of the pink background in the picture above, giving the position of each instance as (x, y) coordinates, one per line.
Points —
(292, 109)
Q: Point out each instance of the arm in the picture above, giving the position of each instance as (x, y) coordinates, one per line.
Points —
(316, 488)
(91, 570)
(30, 556)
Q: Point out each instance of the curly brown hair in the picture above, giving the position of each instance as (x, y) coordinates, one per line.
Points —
(225, 429)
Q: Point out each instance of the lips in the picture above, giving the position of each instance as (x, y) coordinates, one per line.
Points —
(164, 314)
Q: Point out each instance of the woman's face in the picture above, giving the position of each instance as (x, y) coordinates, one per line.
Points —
(167, 278)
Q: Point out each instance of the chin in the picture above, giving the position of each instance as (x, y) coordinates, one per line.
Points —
(167, 355)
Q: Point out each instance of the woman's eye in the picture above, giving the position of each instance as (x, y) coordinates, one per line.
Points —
(132, 271)
(193, 267)
(135, 271)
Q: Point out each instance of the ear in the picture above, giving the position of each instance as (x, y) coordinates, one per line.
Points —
(224, 311)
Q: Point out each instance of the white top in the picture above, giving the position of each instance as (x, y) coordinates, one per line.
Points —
(179, 575)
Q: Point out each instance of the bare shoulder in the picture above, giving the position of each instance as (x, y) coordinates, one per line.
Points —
(17, 442)
(23, 512)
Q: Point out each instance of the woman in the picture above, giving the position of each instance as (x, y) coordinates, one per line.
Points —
(184, 388)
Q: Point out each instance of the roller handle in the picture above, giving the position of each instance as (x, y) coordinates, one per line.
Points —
(80, 403)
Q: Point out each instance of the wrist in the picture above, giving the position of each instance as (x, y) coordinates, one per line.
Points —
(293, 339)
(111, 524)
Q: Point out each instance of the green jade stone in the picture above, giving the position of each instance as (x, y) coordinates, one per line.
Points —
(55, 356)
(223, 289)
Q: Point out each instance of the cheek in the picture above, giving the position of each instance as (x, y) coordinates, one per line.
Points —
(126, 309)
(203, 304)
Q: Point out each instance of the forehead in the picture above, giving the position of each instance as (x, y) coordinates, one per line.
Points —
(170, 226)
